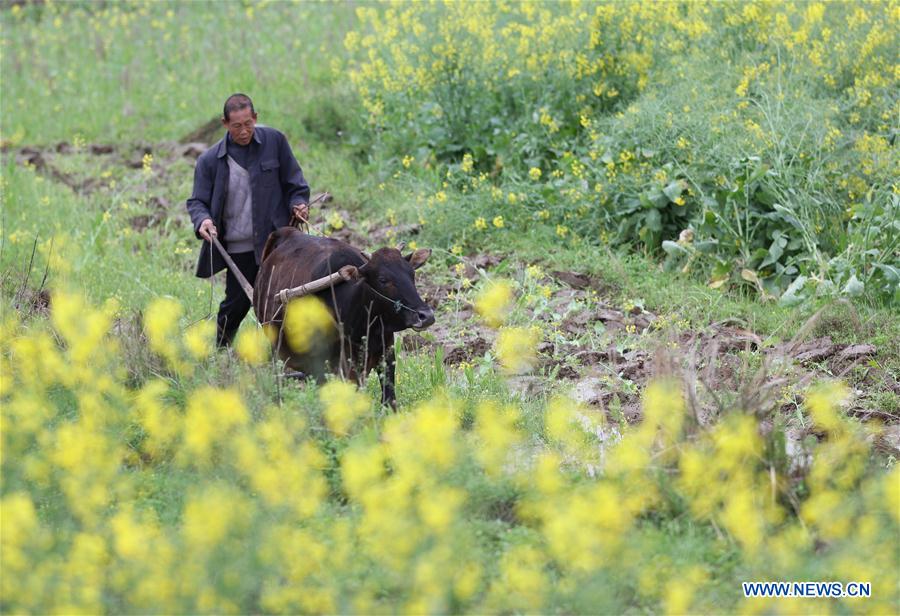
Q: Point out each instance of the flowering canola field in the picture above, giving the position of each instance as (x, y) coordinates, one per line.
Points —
(184, 497)
(751, 143)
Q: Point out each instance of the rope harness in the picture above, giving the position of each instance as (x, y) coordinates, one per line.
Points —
(398, 305)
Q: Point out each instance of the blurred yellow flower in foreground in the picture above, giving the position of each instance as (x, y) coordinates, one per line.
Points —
(199, 338)
(252, 346)
(494, 303)
(307, 320)
(516, 348)
(161, 326)
(343, 405)
(210, 415)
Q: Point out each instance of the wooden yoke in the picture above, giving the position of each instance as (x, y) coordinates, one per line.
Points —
(345, 274)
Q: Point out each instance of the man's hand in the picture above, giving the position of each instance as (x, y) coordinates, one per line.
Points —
(301, 211)
(207, 230)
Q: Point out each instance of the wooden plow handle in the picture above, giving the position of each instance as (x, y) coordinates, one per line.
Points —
(346, 273)
(246, 286)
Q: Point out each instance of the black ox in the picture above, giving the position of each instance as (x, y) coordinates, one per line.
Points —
(380, 301)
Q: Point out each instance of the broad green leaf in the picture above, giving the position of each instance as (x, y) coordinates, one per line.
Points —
(653, 221)
(890, 272)
(854, 286)
(791, 295)
(721, 269)
(674, 190)
(674, 248)
(775, 251)
(706, 246)
(788, 216)
(765, 196)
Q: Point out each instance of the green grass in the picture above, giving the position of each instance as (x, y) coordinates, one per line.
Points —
(93, 80)
(155, 71)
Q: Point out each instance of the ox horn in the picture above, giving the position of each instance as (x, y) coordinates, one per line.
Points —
(401, 246)
(366, 255)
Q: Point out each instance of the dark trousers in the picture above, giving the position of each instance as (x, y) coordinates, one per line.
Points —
(236, 304)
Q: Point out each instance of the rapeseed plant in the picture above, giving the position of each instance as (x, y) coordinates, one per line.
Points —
(633, 97)
(253, 345)
(494, 302)
(516, 348)
(307, 320)
(277, 519)
(343, 406)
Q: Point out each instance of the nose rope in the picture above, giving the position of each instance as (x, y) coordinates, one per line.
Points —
(398, 305)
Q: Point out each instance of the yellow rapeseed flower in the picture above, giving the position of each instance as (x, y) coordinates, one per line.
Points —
(495, 302)
(467, 163)
(161, 326)
(361, 468)
(307, 321)
(822, 403)
(253, 345)
(343, 405)
(336, 221)
(495, 428)
(438, 508)
(516, 348)
(199, 339)
(208, 516)
(210, 415)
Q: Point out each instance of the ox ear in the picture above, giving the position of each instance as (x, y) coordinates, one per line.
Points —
(418, 258)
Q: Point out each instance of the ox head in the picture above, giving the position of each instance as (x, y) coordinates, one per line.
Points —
(392, 276)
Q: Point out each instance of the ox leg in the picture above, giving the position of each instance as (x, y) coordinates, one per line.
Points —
(384, 363)
(388, 378)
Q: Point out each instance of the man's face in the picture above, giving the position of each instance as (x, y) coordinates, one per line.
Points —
(240, 125)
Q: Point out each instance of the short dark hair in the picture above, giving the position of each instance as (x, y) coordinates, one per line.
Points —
(236, 102)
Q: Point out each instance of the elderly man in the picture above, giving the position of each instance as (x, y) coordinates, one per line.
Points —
(245, 186)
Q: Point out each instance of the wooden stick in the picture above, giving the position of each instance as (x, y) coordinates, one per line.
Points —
(248, 288)
(346, 273)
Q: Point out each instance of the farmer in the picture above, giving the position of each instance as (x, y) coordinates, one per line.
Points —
(245, 186)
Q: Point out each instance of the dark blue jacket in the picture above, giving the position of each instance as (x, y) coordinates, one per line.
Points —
(276, 184)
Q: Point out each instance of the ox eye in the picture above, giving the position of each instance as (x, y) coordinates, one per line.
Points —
(382, 280)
